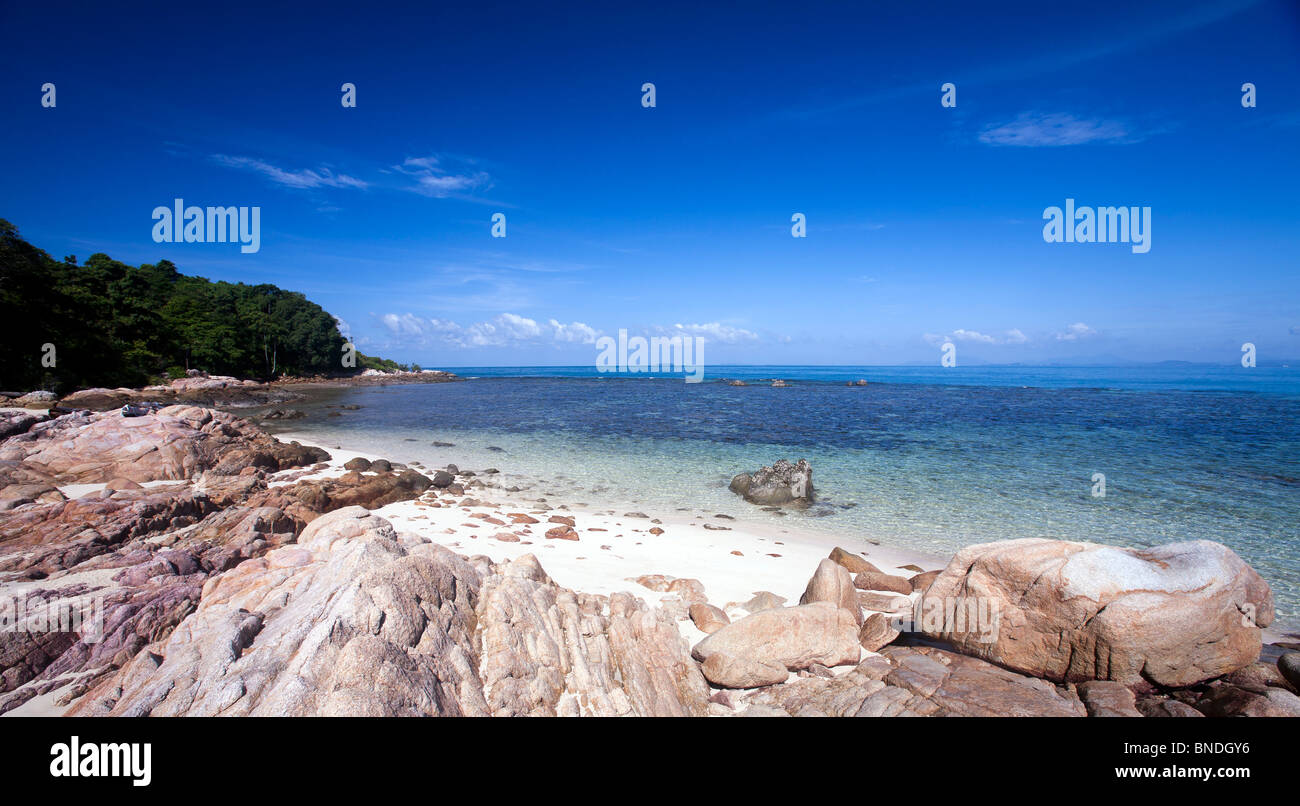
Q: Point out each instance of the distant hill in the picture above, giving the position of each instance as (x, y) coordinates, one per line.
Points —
(112, 325)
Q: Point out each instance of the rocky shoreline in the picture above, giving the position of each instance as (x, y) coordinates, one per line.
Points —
(214, 391)
(238, 574)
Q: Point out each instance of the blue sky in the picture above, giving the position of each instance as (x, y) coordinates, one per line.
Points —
(924, 223)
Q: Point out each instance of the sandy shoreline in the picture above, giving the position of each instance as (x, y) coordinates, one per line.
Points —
(613, 548)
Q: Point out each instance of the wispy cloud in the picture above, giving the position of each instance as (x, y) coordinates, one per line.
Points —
(435, 176)
(715, 331)
(1012, 336)
(305, 178)
(441, 177)
(1033, 129)
(510, 329)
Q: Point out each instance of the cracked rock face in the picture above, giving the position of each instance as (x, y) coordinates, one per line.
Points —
(918, 681)
(132, 559)
(355, 620)
(1174, 615)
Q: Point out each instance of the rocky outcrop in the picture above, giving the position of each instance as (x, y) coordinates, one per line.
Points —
(919, 681)
(547, 650)
(39, 399)
(179, 442)
(780, 484)
(1173, 615)
(356, 620)
(17, 422)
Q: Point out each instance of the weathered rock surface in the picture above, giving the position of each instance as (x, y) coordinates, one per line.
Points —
(852, 562)
(876, 632)
(1228, 700)
(1107, 698)
(731, 672)
(1174, 615)
(1289, 666)
(781, 483)
(876, 581)
(792, 637)
(39, 399)
(179, 442)
(16, 422)
(354, 619)
(708, 618)
(832, 583)
(920, 681)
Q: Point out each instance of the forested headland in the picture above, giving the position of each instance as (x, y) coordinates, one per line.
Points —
(101, 322)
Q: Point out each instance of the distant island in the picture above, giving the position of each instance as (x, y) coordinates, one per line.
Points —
(103, 323)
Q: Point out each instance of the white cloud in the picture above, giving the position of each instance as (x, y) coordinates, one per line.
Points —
(1012, 336)
(716, 331)
(503, 330)
(434, 177)
(306, 178)
(508, 328)
(575, 333)
(973, 335)
(1076, 331)
(1036, 129)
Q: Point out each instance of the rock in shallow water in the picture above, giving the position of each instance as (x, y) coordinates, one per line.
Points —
(781, 483)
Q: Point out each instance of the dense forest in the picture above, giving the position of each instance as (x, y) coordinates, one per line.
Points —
(104, 323)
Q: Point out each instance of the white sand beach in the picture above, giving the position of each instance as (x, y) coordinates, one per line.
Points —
(732, 558)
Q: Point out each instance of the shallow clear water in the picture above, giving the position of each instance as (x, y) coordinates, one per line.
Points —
(1005, 453)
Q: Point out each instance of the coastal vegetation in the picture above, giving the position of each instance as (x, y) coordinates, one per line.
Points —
(102, 322)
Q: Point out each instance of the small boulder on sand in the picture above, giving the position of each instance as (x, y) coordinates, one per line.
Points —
(854, 563)
(876, 632)
(832, 583)
(707, 618)
(790, 637)
(876, 581)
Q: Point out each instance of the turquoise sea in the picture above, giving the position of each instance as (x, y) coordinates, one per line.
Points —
(923, 457)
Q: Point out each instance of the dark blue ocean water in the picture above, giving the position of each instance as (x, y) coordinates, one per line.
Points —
(990, 453)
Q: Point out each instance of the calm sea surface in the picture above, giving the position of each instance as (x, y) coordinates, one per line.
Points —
(927, 458)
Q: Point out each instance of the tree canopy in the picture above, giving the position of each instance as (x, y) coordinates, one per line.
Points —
(111, 324)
